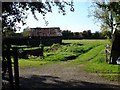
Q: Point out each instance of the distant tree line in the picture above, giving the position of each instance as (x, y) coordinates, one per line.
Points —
(86, 34)
(67, 34)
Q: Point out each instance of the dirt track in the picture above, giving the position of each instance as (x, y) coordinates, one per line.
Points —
(61, 75)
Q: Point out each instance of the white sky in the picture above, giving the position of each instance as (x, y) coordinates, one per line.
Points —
(76, 21)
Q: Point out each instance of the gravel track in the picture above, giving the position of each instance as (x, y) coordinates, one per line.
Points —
(62, 75)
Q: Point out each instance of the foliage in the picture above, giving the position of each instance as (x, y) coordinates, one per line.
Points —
(67, 34)
(106, 33)
(86, 34)
(67, 52)
(16, 12)
(7, 32)
(54, 47)
(97, 35)
(26, 32)
(106, 12)
(113, 7)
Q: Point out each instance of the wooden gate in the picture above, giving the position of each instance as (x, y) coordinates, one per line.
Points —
(10, 67)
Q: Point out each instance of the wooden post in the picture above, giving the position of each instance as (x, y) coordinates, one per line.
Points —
(106, 55)
(10, 67)
(16, 68)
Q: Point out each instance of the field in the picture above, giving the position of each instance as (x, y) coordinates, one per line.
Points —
(89, 53)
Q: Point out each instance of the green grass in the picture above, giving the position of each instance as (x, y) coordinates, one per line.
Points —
(67, 52)
(98, 64)
(87, 41)
(91, 53)
(111, 77)
(27, 62)
(94, 60)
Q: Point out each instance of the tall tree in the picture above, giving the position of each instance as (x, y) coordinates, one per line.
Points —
(107, 12)
(67, 34)
(87, 34)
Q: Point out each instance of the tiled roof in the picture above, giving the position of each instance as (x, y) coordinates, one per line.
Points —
(51, 31)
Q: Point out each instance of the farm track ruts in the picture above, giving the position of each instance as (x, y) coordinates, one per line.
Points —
(61, 75)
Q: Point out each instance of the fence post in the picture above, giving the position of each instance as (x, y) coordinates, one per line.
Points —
(16, 68)
(106, 55)
(9, 67)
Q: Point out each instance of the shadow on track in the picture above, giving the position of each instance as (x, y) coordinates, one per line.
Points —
(37, 82)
